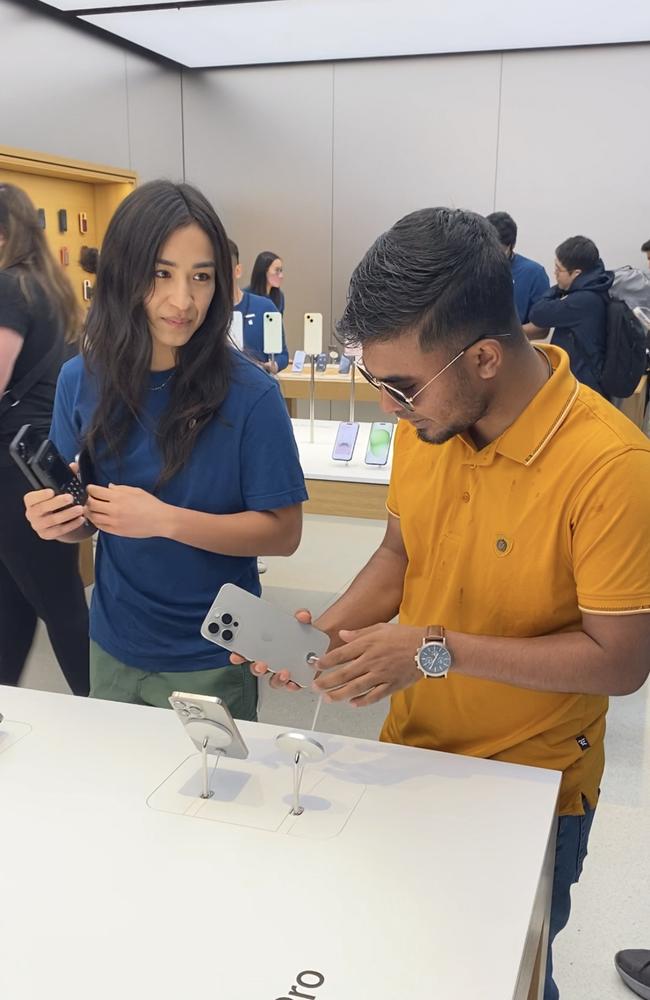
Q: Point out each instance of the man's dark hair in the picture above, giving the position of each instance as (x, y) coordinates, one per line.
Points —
(578, 253)
(505, 226)
(646, 247)
(439, 271)
(234, 250)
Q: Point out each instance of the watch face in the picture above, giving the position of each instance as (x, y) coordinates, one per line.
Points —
(434, 659)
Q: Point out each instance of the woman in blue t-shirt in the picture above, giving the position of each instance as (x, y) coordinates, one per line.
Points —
(267, 277)
(196, 471)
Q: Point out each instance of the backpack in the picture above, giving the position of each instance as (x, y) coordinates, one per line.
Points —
(632, 285)
(625, 354)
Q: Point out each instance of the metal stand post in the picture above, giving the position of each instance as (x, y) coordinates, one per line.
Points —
(312, 397)
(206, 793)
(352, 389)
(297, 809)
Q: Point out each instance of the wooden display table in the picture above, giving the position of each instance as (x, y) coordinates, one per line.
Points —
(329, 386)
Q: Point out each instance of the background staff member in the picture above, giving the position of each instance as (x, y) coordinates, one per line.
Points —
(252, 307)
(267, 277)
(517, 549)
(197, 470)
(39, 320)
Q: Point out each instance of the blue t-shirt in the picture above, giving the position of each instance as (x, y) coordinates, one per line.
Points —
(530, 281)
(152, 594)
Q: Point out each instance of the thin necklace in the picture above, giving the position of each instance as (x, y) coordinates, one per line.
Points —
(157, 388)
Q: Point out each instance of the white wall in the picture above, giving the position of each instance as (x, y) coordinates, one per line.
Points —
(67, 93)
(314, 161)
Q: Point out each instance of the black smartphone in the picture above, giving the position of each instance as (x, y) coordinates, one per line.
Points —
(86, 468)
(23, 449)
(55, 473)
(321, 363)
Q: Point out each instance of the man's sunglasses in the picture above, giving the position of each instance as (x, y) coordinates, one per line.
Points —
(407, 401)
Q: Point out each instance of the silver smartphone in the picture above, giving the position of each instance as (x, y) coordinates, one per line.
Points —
(247, 625)
(203, 716)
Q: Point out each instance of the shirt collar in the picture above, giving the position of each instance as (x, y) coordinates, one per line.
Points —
(528, 436)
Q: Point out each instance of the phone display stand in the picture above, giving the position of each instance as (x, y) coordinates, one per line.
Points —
(312, 396)
(253, 793)
(214, 740)
(11, 732)
(302, 749)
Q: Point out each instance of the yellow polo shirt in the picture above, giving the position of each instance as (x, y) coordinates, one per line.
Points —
(515, 539)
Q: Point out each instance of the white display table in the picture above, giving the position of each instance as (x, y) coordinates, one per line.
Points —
(316, 457)
(351, 489)
(436, 885)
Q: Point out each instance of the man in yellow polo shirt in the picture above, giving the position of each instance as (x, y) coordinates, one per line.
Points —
(517, 549)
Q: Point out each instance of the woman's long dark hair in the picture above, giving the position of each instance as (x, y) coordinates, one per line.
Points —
(257, 284)
(117, 345)
(25, 250)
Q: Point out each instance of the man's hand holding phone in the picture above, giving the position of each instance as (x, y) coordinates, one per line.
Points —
(280, 679)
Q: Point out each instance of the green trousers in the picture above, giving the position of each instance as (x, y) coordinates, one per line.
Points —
(115, 681)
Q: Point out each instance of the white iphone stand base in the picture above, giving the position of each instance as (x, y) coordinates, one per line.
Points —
(257, 793)
(11, 732)
(214, 739)
(302, 749)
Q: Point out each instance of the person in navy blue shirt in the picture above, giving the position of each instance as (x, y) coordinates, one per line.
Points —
(577, 307)
(252, 308)
(529, 279)
(196, 470)
(267, 277)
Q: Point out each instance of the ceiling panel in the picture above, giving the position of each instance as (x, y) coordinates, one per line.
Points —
(279, 31)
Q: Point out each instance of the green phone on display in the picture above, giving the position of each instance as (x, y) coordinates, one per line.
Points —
(379, 441)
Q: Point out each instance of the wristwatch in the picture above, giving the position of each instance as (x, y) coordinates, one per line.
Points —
(434, 657)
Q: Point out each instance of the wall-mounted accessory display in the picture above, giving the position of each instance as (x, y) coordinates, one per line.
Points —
(40, 212)
(83, 223)
(87, 290)
(63, 220)
(64, 256)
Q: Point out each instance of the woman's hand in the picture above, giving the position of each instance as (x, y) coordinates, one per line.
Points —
(51, 516)
(127, 511)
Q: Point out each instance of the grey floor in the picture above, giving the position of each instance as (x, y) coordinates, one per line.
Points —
(611, 905)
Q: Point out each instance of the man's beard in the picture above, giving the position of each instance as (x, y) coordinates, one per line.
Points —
(474, 408)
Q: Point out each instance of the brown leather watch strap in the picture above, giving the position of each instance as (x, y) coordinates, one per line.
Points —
(434, 633)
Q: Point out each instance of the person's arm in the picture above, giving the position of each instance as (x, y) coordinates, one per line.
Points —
(535, 332)
(133, 513)
(375, 594)
(11, 344)
(608, 542)
(556, 309)
(609, 656)
(539, 288)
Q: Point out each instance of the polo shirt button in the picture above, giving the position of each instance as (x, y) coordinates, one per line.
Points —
(466, 497)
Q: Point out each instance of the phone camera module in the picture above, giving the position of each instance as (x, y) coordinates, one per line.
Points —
(213, 628)
(227, 635)
(226, 619)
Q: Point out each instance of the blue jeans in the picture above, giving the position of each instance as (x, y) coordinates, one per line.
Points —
(570, 853)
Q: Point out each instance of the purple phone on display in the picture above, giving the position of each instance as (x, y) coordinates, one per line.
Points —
(346, 438)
